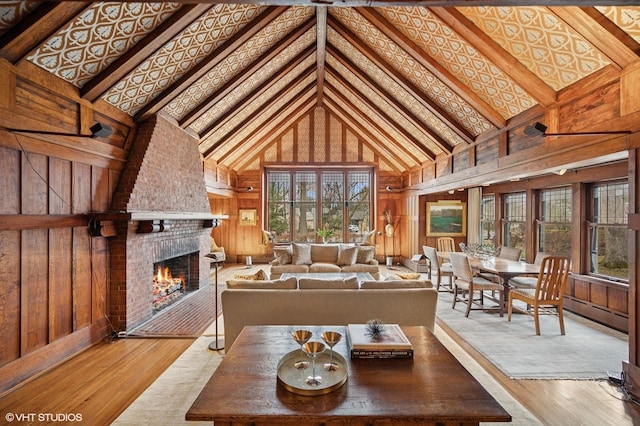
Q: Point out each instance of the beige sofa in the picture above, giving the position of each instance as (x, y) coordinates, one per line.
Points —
(302, 258)
(281, 302)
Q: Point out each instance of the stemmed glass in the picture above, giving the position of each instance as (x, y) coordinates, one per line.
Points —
(331, 338)
(313, 350)
(301, 337)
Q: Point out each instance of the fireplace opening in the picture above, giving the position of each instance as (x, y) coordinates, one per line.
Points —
(172, 280)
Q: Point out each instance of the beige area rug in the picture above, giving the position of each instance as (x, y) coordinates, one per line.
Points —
(167, 400)
(586, 352)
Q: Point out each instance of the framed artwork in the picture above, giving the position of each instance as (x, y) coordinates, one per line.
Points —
(446, 219)
(248, 217)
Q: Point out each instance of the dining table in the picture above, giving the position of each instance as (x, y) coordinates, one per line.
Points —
(503, 268)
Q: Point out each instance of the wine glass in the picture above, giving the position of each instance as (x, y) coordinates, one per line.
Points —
(313, 350)
(331, 338)
(301, 337)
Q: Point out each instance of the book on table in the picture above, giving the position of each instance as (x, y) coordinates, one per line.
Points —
(392, 343)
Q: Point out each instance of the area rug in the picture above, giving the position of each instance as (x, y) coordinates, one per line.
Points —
(188, 317)
(587, 351)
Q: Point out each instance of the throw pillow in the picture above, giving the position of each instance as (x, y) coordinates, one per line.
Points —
(283, 255)
(409, 276)
(365, 254)
(258, 276)
(347, 255)
(290, 283)
(301, 254)
(316, 283)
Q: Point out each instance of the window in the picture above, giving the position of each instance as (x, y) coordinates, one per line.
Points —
(488, 220)
(514, 220)
(301, 202)
(608, 231)
(554, 224)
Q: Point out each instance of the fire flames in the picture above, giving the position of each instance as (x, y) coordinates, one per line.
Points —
(166, 288)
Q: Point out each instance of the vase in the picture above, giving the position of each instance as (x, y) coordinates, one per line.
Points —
(389, 230)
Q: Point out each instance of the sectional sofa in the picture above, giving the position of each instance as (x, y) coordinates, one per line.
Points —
(307, 301)
(302, 258)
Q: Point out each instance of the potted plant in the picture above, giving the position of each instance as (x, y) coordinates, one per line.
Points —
(325, 232)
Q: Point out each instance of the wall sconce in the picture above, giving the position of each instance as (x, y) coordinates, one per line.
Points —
(388, 188)
(451, 191)
(560, 172)
(249, 188)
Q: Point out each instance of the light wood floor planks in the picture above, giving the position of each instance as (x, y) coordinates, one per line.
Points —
(103, 380)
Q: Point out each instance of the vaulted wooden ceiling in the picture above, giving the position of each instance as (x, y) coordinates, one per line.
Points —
(413, 81)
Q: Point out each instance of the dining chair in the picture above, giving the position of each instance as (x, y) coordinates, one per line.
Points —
(528, 281)
(446, 244)
(548, 293)
(508, 253)
(438, 267)
(465, 282)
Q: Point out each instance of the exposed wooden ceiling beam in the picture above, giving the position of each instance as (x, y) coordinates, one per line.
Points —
(208, 63)
(374, 143)
(380, 91)
(347, 98)
(258, 91)
(423, 3)
(429, 63)
(608, 44)
(530, 82)
(391, 147)
(283, 118)
(141, 51)
(400, 79)
(282, 94)
(37, 27)
(289, 104)
(617, 32)
(243, 75)
(321, 41)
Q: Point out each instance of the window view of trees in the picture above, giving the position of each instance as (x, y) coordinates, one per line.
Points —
(554, 223)
(488, 221)
(514, 230)
(608, 230)
(343, 208)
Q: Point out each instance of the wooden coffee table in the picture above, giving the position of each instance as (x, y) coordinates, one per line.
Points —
(433, 388)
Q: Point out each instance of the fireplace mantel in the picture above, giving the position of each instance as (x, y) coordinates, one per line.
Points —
(151, 221)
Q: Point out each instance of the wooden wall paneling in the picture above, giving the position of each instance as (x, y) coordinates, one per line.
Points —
(10, 163)
(42, 109)
(101, 189)
(10, 332)
(99, 277)
(81, 255)
(34, 290)
(60, 301)
(591, 112)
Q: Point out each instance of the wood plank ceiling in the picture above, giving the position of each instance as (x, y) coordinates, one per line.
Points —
(411, 81)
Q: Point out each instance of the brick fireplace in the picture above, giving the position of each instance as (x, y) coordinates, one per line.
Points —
(160, 211)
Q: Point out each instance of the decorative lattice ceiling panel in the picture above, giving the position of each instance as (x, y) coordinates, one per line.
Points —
(460, 58)
(541, 41)
(627, 18)
(97, 37)
(12, 12)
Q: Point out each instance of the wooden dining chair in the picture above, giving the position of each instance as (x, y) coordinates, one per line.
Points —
(528, 281)
(464, 282)
(548, 296)
(446, 244)
(438, 268)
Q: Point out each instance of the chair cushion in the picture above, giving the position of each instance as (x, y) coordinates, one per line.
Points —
(301, 254)
(524, 282)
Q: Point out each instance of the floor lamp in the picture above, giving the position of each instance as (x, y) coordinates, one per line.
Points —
(218, 345)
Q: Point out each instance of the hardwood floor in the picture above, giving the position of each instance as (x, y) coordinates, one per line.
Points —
(101, 382)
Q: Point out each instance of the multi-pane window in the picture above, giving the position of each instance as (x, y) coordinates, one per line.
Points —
(608, 230)
(299, 203)
(554, 223)
(488, 220)
(514, 225)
